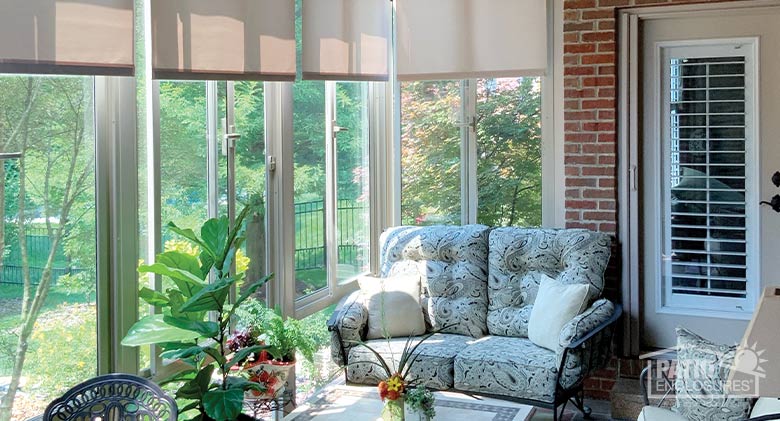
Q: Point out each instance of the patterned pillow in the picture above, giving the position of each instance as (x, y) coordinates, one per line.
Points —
(702, 370)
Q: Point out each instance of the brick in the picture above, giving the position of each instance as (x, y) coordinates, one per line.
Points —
(572, 171)
(597, 14)
(581, 204)
(598, 36)
(598, 216)
(571, 59)
(578, 26)
(581, 159)
(599, 127)
(607, 160)
(579, 93)
(579, 4)
(606, 115)
(606, 24)
(607, 204)
(607, 70)
(588, 226)
(608, 227)
(579, 115)
(600, 170)
(573, 194)
(579, 48)
(589, 104)
(579, 70)
(573, 126)
(606, 92)
(579, 137)
(571, 148)
(598, 194)
(571, 82)
(606, 182)
(599, 81)
(582, 182)
(571, 104)
(572, 215)
(613, 3)
(571, 15)
(607, 137)
(606, 47)
(598, 148)
(571, 37)
(597, 58)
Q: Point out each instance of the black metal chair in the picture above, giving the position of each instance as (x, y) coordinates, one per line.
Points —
(115, 397)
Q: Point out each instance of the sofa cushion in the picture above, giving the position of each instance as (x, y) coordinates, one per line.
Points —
(507, 366)
(519, 256)
(393, 306)
(433, 366)
(452, 262)
(556, 304)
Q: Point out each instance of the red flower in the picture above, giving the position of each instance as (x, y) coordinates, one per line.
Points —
(393, 395)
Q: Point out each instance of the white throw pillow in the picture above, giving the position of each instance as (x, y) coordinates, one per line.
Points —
(393, 306)
(556, 304)
(765, 406)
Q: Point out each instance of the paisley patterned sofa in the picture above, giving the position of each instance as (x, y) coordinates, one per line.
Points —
(481, 284)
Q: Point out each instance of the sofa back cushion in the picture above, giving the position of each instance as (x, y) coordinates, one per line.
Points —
(452, 262)
(519, 256)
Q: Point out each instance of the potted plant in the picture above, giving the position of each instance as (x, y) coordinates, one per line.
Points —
(420, 402)
(282, 338)
(184, 329)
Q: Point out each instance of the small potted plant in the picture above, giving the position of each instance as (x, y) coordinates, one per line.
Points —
(282, 339)
(419, 402)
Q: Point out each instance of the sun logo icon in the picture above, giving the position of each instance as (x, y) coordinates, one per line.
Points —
(749, 361)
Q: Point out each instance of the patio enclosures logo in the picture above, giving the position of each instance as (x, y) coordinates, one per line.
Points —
(705, 375)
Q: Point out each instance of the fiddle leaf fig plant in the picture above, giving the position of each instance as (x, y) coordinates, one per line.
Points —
(195, 316)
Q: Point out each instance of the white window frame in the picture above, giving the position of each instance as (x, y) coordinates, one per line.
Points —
(691, 305)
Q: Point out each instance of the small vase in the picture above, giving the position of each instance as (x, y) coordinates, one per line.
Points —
(393, 410)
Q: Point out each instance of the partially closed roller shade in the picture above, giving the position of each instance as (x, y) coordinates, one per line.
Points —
(346, 39)
(225, 39)
(459, 39)
(87, 37)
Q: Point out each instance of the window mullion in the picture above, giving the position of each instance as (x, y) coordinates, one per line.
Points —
(468, 139)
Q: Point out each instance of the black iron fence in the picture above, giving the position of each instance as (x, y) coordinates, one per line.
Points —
(352, 235)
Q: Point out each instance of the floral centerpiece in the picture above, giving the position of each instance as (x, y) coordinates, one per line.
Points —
(421, 402)
(394, 389)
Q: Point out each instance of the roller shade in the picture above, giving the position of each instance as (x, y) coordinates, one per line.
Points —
(346, 39)
(225, 39)
(460, 39)
(85, 37)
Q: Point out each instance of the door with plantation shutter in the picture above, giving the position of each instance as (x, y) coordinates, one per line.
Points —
(711, 125)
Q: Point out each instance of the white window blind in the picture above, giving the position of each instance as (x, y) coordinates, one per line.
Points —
(86, 37)
(462, 39)
(708, 238)
(346, 39)
(226, 39)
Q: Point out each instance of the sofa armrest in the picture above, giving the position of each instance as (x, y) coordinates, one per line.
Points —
(347, 325)
(586, 342)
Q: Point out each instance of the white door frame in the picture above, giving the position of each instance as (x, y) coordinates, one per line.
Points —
(629, 89)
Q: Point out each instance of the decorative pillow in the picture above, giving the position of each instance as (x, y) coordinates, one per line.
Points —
(765, 406)
(702, 371)
(556, 304)
(393, 306)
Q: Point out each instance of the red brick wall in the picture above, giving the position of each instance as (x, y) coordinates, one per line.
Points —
(590, 137)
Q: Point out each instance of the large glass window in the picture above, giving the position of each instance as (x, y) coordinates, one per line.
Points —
(47, 238)
(471, 152)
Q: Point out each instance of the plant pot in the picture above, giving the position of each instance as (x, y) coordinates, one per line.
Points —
(393, 410)
(275, 376)
(414, 414)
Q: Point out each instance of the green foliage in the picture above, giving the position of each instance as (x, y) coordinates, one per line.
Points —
(282, 336)
(421, 399)
(183, 329)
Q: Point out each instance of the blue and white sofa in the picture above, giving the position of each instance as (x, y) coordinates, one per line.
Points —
(482, 283)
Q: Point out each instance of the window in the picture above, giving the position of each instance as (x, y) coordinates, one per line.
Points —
(708, 237)
(471, 152)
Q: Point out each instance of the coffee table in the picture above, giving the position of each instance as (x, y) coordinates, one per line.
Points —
(362, 403)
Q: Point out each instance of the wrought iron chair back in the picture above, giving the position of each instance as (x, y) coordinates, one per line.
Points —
(114, 397)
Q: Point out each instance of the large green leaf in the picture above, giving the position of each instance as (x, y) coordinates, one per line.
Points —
(153, 329)
(175, 354)
(179, 260)
(243, 353)
(214, 233)
(153, 297)
(210, 298)
(190, 235)
(187, 283)
(205, 329)
(215, 354)
(197, 387)
(223, 405)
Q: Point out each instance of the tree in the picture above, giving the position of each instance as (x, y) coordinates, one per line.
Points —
(55, 184)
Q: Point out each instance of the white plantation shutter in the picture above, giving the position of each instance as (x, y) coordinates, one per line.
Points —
(87, 37)
(225, 39)
(708, 234)
(346, 39)
(461, 39)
